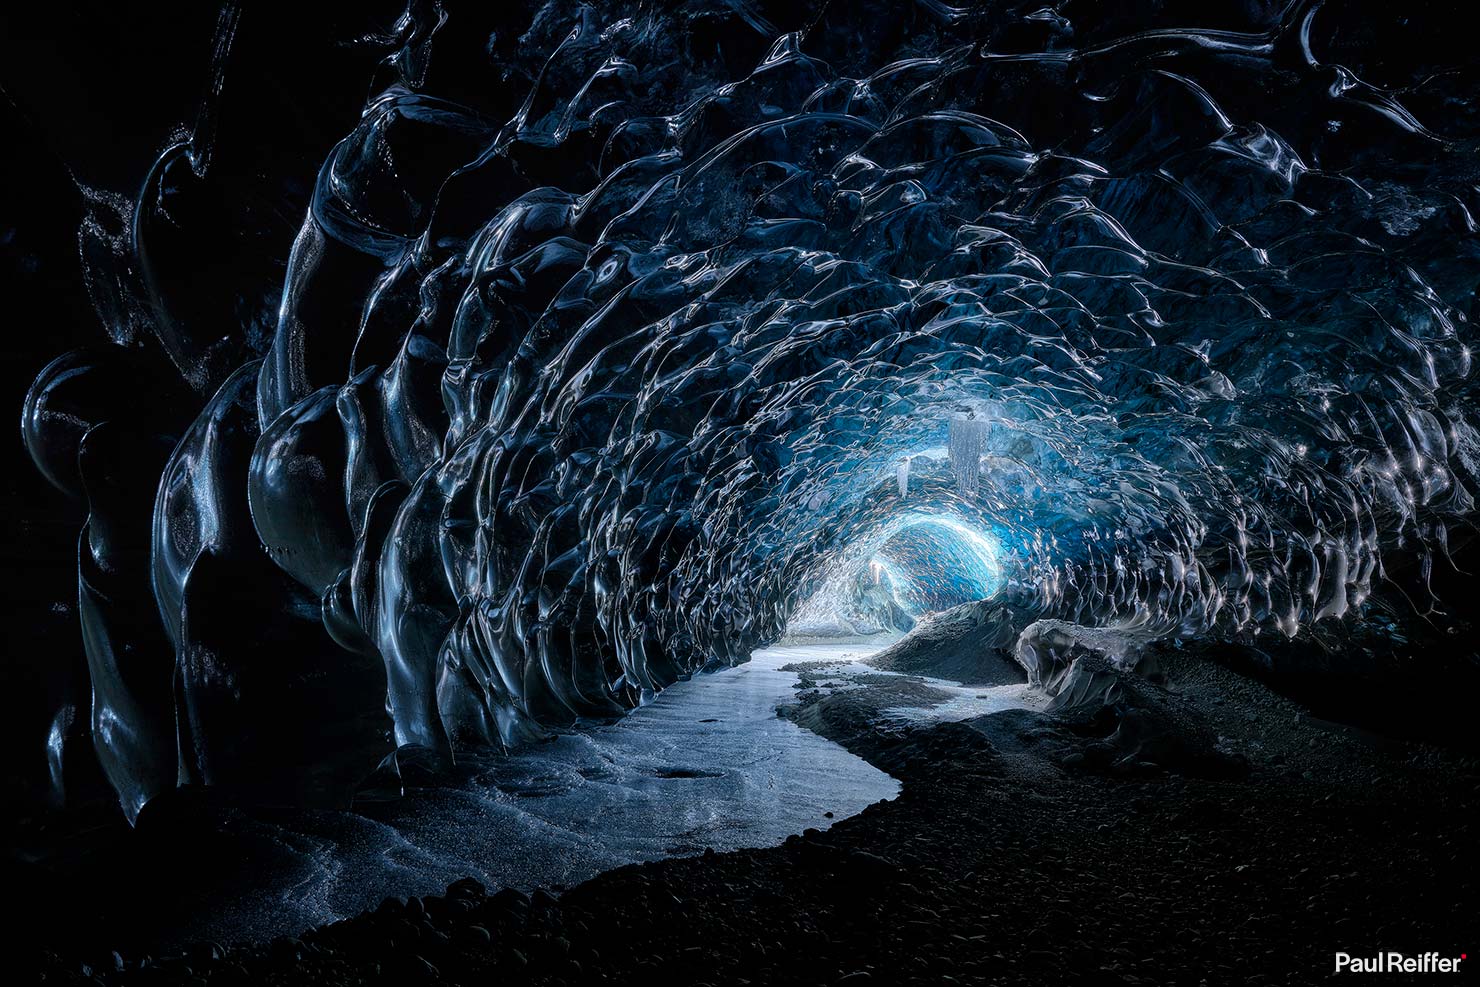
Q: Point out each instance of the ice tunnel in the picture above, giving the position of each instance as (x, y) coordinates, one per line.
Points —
(615, 338)
(911, 565)
(936, 563)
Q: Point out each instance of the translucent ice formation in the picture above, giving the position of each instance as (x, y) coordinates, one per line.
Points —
(610, 337)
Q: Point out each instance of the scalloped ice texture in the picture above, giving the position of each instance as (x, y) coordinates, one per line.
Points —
(610, 337)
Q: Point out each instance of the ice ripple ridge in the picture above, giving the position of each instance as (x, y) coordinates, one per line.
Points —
(613, 331)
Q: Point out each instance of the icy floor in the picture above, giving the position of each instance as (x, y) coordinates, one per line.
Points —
(707, 764)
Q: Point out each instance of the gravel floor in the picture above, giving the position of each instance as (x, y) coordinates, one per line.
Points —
(1025, 847)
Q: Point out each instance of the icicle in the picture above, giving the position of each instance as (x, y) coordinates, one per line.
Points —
(968, 437)
(902, 474)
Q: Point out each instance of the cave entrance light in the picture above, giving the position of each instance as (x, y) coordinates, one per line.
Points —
(914, 565)
(936, 562)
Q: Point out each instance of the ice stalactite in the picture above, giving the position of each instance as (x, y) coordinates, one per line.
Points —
(968, 440)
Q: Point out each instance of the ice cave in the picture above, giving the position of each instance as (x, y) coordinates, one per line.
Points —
(526, 442)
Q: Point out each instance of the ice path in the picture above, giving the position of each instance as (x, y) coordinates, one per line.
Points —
(706, 764)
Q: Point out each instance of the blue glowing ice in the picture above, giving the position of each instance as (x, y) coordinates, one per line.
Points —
(605, 359)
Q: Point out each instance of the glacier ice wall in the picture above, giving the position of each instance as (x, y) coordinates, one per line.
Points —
(615, 332)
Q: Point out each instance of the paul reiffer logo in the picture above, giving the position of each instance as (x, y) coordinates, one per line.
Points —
(1399, 963)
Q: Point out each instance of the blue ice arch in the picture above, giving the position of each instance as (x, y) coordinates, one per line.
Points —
(610, 339)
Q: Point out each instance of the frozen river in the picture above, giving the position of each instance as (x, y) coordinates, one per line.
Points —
(706, 764)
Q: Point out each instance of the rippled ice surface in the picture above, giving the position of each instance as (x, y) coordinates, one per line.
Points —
(614, 333)
(707, 764)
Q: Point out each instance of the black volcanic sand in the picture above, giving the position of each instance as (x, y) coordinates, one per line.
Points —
(1198, 831)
